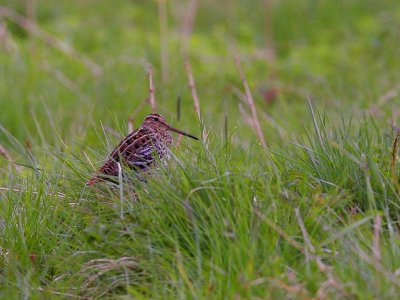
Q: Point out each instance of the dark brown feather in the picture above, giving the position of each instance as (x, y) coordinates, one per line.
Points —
(140, 149)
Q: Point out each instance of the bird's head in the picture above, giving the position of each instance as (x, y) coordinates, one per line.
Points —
(157, 121)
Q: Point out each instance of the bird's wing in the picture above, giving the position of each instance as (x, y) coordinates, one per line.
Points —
(142, 159)
(125, 143)
(137, 149)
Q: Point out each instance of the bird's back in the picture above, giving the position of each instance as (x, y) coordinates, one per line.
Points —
(138, 151)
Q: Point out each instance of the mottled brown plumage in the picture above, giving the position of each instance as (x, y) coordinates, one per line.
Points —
(140, 148)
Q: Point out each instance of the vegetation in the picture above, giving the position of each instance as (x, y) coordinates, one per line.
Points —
(313, 215)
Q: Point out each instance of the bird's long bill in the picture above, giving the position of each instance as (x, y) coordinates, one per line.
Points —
(182, 132)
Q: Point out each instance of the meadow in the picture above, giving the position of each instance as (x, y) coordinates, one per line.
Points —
(292, 191)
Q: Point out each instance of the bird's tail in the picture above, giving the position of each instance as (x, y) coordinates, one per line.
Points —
(93, 180)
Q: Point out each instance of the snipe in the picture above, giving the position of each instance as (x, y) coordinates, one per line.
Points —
(140, 149)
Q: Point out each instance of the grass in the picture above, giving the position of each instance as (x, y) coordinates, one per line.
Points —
(312, 216)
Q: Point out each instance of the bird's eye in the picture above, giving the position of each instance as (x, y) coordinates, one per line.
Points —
(156, 119)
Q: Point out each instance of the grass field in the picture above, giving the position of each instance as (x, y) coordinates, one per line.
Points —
(313, 215)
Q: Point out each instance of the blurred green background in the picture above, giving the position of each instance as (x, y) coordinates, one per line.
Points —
(73, 72)
(339, 53)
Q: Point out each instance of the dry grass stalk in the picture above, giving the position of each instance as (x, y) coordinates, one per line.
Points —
(178, 117)
(331, 281)
(7, 156)
(245, 115)
(178, 141)
(378, 267)
(58, 195)
(62, 78)
(309, 245)
(188, 24)
(88, 159)
(248, 119)
(395, 149)
(282, 132)
(64, 295)
(389, 95)
(178, 108)
(192, 87)
(270, 52)
(152, 98)
(134, 114)
(49, 39)
(296, 290)
(279, 231)
(121, 192)
(163, 17)
(251, 104)
(5, 40)
(113, 132)
(376, 245)
(30, 7)
(226, 130)
(238, 93)
(242, 97)
(99, 267)
(130, 125)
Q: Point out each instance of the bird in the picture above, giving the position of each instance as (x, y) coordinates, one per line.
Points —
(140, 149)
